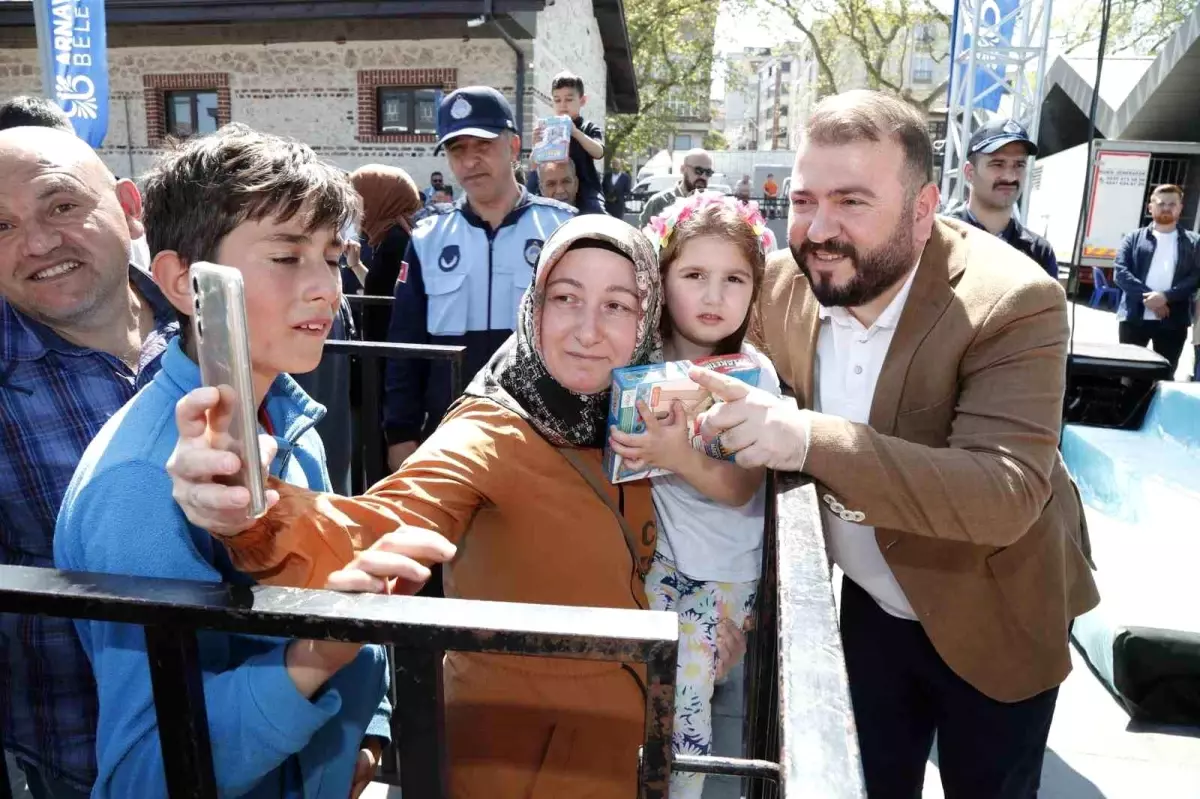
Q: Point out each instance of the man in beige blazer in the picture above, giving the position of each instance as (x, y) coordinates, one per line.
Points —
(928, 360)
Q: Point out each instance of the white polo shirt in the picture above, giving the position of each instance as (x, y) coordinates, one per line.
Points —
(849, 359)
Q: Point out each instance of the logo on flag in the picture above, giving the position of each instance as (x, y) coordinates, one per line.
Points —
(79, 59)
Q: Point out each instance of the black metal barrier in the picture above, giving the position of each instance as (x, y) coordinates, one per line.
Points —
(422, 629)
(799, 725)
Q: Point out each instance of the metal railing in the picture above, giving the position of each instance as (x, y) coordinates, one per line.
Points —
(420, 628)
(799, 725)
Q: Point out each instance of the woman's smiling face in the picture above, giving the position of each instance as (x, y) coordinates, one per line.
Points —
(589, 318)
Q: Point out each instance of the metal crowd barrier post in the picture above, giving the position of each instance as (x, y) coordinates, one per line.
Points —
(172, 611)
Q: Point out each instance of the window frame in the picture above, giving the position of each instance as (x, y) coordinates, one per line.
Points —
(411, 93)
(171, 123)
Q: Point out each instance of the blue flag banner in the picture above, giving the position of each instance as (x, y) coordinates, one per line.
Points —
(988, 89)
(78, 51)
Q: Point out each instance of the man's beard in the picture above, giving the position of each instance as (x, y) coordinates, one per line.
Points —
(1165, 219)
(874, 272)
(690, 186)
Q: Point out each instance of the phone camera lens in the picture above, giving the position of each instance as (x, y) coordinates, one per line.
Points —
(199, 328)
(195, 285)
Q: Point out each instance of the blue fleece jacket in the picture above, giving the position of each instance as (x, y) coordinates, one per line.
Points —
(118, 517)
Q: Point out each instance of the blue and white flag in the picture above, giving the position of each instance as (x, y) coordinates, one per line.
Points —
(988, 89)
(79, 58)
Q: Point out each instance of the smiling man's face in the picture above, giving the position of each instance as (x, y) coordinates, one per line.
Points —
(65, 227)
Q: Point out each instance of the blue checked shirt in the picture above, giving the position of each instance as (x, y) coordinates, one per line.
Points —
(54, 398)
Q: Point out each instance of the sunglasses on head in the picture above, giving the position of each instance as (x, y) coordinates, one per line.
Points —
(702, 171)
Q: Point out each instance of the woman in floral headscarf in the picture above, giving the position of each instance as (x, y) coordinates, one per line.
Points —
(513, 476)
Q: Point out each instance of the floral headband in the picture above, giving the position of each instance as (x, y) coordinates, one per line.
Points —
(661, 227)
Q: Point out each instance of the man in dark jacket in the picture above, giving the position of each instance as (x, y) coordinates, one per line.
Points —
(1158, 272)
(617, 185)
(997, 165)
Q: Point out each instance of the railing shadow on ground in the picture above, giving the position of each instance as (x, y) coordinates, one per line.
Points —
(799, 727)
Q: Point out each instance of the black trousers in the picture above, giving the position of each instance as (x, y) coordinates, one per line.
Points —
(903, 693)
(1167, 341)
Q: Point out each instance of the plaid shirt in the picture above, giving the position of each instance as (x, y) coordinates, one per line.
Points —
(54, 398)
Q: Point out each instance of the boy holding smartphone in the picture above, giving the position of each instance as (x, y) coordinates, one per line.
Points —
(286, 718)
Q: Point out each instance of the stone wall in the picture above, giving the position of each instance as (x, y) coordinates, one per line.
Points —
(568, 38)
(309, 90)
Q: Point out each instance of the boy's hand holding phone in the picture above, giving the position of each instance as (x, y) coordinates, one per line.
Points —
(203, 418)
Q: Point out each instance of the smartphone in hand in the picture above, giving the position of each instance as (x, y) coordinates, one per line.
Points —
(221, 333)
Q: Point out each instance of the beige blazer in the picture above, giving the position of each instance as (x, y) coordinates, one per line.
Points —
(959, 470)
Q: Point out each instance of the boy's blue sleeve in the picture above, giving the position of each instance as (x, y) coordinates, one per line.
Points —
(406, 378)
(124, 521)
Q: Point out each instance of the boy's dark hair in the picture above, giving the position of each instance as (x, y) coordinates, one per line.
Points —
(208, 185)
(567, 80)
(26, 111)
(200, 191)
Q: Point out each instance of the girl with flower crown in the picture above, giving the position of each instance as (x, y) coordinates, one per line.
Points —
(712, 252)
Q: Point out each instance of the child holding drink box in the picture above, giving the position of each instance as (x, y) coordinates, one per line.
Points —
(710, 512)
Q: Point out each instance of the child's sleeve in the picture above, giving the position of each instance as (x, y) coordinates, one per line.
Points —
(307, 536)
(126, 522)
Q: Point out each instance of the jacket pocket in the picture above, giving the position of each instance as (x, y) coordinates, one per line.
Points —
(448, 304)
(1030, 576)
(510, 281)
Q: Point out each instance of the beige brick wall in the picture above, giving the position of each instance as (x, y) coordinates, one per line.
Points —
(307, 90)
(301, 79)
(568, 38)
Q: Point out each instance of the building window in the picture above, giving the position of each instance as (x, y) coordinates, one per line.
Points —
(937, 129)
(191, 113)
(408, 110)
(683, 142)
(400, 105)
(183, 105)
(922, 69)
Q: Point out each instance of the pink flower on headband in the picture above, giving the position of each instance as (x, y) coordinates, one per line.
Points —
(661, 227)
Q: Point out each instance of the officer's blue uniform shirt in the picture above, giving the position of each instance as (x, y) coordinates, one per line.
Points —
(460, 283)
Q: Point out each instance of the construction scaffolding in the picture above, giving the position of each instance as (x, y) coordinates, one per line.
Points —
(999, 66)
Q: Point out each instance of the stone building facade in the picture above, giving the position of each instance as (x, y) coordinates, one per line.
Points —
(319, 81)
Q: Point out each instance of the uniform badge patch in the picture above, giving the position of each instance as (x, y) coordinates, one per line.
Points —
(533, 251)
(449, 259)
(403, 276)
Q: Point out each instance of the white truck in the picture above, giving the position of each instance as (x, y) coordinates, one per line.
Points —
(1125, 174)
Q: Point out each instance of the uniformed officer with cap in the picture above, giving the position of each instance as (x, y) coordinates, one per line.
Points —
(467, 266)
(997, 164)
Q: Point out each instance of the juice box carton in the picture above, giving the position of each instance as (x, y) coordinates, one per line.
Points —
(555, 142)
(658, 385)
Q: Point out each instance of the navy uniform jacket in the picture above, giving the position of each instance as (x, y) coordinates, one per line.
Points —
(1020, 238)
(1133, 262)
(460, 284)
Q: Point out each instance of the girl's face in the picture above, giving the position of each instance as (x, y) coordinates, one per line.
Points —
(589, 319)
(709, 287)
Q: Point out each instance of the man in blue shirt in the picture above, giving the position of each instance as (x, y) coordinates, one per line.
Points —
(467, 265)
(996, 168)
(80, 332)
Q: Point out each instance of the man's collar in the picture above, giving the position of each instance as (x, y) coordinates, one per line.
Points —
(464, 207)
(1010, 232)
(23, 338)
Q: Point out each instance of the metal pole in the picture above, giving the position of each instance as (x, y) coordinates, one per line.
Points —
(968, 123)
(45, 46)
(1035, 126)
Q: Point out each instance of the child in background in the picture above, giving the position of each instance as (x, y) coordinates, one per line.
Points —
(286, 718)
(710, 512)
(587, 142)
